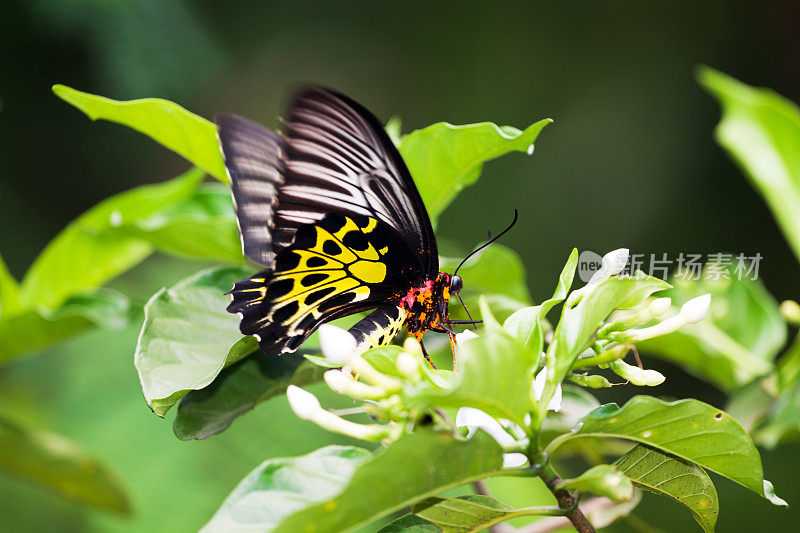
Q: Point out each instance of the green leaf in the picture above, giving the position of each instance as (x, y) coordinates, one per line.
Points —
(783, 420)
(579, 324)
(471, 513)
(53, 462)
(187, 336)
(9, 291)
(525, 325)
(91, 249)
(689, 429)
(237, 389)
(601, 480)
(443, 158)
(167, 123)
(202, 226)
(493, 375)
(36, 329)
(505, 293)
(410, 523)
(738, 339)
(386, 483)
(760, 130)
(687, 483)
(280, 487)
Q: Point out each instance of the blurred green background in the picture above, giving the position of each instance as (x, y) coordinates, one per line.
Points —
(630, 161)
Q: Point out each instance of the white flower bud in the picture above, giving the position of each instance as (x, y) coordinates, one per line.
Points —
(407, 365)
(659, 306)
(613, 263)
(636, 375)
(342, 383)
(538, 389)
(337, 344)
(695, 309)
(411, 345)
(465, 335)
(790, 311)
(304, 404)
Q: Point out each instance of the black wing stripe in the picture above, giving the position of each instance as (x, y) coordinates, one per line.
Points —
(253, 158)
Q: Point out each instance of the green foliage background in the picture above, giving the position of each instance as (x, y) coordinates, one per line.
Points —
(630, 161)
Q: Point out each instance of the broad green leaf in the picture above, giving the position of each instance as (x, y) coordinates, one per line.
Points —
(579, 324)
(188, 337)
(56, 463)
(505, 293)
(386, 483)
(760, 130)
(601, 480)
(470, 513)
(280, 487)
(202, 226)
(688, 429)
(237, 389)
(443, 158)
(493, 375)
(410, 523)
(525, 325)
(167, 123)
(738, 339)
(36, 329)
(687, 483)
(9, 291)
(91, 249)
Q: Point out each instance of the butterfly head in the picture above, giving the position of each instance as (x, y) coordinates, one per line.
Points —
(456, 284)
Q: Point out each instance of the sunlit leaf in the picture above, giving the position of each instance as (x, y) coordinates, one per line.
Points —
(9, 291)
(738, 339)
(32, 330)
(167, 123)
(687, 483)
(579, 324)
(280, 487)
(237, 389)
(761, 131)
(601, 480)
(386, 484)
(688, 429)
(525, 325)
(201, 226)
(443, 158)
(90, 250)
(188, 337)
(493, 375)
(56, 463)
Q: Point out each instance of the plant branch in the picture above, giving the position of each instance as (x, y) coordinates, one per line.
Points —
(567, 502)
(557, 523)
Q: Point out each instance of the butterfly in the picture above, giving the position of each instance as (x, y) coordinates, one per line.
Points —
(330, 211)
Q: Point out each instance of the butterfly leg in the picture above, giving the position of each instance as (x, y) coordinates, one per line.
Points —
(425, 353)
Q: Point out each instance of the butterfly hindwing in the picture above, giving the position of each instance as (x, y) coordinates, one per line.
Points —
(342, 265)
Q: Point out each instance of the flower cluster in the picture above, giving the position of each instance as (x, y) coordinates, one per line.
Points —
(399, 391)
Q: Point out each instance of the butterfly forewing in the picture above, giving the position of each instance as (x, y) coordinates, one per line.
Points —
(330, 209)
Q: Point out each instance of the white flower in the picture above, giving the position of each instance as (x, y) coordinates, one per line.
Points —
(538, 390)
(465, 335)
(695, 309)
(342, 383)
(306, 406)
(303, 403)
(475, 419)
(407, 365)
(637, 376)
(659, 306)
(691, 312)
(613, 263)
(337, 344)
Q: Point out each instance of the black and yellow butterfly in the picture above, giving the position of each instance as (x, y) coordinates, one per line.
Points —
(329, 209)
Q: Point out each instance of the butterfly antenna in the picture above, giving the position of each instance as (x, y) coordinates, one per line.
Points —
(487, 243)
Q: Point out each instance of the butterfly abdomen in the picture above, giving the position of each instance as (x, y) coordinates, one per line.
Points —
(379, 327)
